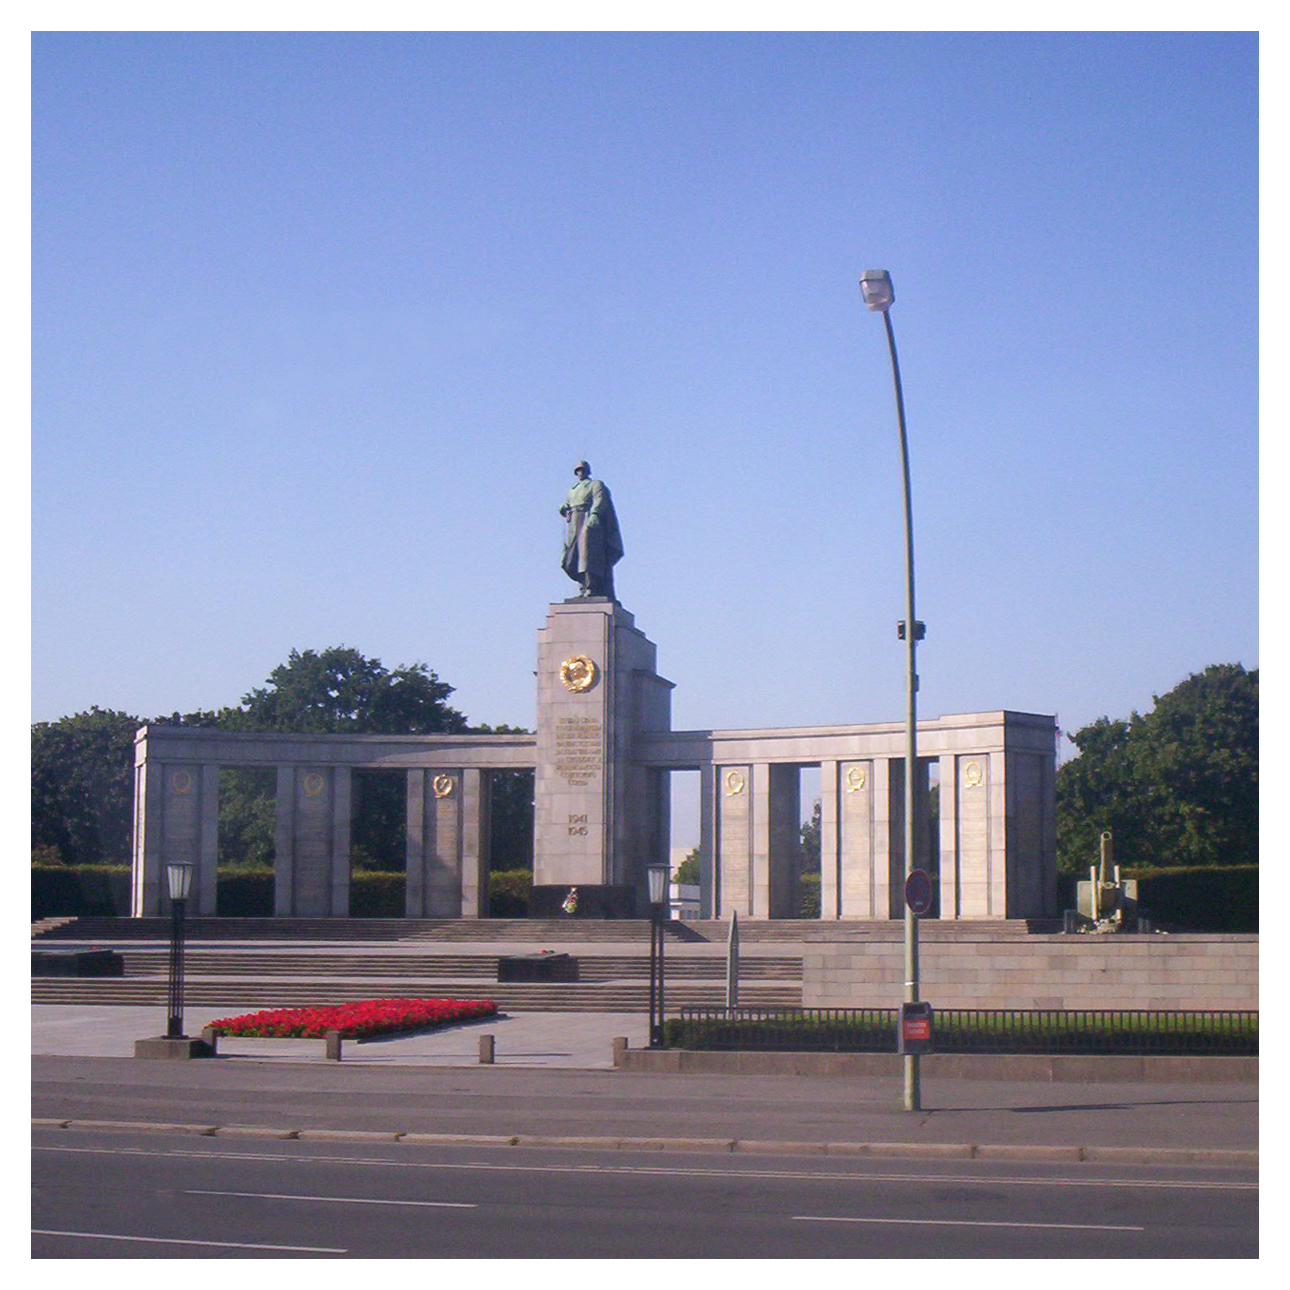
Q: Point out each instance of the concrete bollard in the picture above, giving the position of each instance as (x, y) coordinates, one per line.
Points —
(487, 1049)
(332, 1038)
(618, 1047)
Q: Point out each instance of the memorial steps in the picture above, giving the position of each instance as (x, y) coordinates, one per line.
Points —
(541, 932)
(395, 965)
(243, 964)
(258, 977)
(569, 996)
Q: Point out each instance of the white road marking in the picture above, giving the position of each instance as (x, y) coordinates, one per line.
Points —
(334, 1200)
(171, 1240)
(965, 1222)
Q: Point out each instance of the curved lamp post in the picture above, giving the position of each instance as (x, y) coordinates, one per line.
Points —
(879, 295)
(658, 875)
(179, 879)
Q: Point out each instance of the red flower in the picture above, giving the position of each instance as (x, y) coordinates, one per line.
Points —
(354, 1020)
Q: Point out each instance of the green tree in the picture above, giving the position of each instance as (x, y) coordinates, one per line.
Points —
(810, 842)
(82, 786)
(83, 766)
(247, 814)
(808, 874)
(1176, 787)
(687, 871)
(338, 691)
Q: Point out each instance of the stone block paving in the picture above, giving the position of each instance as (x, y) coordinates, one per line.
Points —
(573, 1040)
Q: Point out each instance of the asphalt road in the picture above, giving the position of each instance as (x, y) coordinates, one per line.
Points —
(127, 1194)
(608, 1104)
(284, 1154)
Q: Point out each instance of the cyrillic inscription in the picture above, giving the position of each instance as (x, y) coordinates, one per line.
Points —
(578, 750)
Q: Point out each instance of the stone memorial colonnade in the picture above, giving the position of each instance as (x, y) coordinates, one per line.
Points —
(995, 843)
(603, 809)
(177, 812)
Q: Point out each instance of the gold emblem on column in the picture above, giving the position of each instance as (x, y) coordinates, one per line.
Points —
(735, 783)
(856, 779)
(973, 774)
(443, 785)
(314, 784)
(181, 781)
(578, 673)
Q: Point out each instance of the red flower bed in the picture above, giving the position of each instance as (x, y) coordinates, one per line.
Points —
(354, 1020)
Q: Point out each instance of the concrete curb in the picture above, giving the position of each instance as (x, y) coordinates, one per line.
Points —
(1223, 1157)
(1041, 1068)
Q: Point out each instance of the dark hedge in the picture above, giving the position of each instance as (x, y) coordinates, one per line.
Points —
(71, 890)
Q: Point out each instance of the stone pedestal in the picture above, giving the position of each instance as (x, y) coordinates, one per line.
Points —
(172, 1050)
(601, 816)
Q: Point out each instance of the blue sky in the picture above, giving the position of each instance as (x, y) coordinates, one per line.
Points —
(321, 323)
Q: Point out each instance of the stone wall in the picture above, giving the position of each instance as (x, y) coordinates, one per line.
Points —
(1148, 971)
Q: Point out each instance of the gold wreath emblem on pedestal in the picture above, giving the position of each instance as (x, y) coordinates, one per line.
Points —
(443, 785)
(972, 774)
(856, 779)
(578, 673)
(734, 783)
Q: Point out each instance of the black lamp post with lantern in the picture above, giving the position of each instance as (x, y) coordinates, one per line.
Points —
(174, 1043)
(179, 881)
(657, 876)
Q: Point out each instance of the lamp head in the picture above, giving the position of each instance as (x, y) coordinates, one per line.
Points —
(657, 875)
(179, 880)
(875, 286)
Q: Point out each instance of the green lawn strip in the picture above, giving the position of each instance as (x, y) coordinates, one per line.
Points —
(1173, 1033)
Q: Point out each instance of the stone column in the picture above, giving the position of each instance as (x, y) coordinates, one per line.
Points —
(860, 884)
(709, 870)
(143, 846)
(977, 896)
(284, 843)
(176, 821)
(735, 840)
(434, 844)
(759, 807)
(998, 795)
(206, 879)
(342, 810)
(414, 863)
(145, 876)
(312, 837)
(884, 858)
(830, 850)
(476, 813)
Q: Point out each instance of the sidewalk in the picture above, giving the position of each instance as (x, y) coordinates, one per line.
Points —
(553, 1084)
(572, 1040)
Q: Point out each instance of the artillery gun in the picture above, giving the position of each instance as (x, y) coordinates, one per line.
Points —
(1106, 903)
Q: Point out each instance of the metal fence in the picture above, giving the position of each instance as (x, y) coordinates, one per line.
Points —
(970, 1030)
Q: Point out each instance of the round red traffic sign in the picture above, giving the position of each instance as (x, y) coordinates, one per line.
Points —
(918, 891)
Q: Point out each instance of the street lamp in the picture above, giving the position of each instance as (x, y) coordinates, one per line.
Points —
(657, 875)
(879, 295)
(179, 880)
